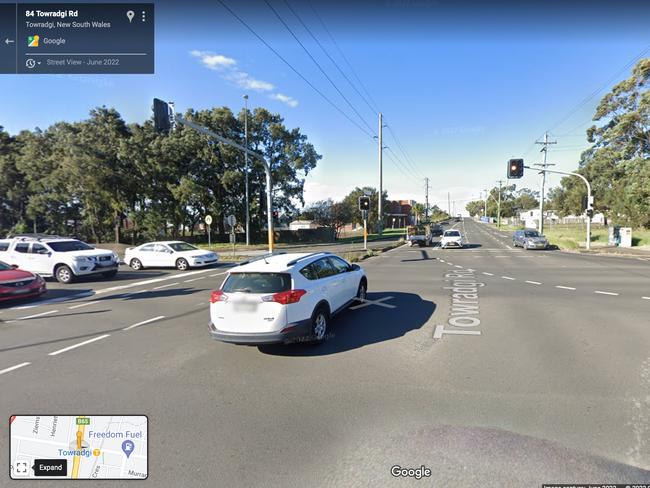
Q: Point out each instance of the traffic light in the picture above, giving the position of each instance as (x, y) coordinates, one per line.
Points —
(515, 168)
(364, 203)
(276, 214)
(161, 116)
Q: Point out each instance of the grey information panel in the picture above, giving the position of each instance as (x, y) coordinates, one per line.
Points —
(101, 38)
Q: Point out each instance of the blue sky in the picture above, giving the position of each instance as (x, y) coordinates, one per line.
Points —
(464, 87)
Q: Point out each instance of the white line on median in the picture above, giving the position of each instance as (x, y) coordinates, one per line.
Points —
(37, 315)
(7, 370)
(78, 345)
(218, 274)
(458, 265)
(507, 278)
(143, 322)
(646, 298)
(488, 274)
(605, 293)
(533, 282)
(166, 286)
(82, 305)
(564, 287)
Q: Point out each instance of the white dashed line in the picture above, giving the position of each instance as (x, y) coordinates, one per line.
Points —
(82, 305)
(565, 287)
(195, 279)
(167, 285)
(533, 282)
(78, 345)
(13, 368)
(488, 274)
(507, 278)
(457, 265)
(37, 315)
(218, 274)
(646, 298)
(605, 293)
(143, 322)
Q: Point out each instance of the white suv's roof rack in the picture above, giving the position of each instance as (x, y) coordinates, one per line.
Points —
(307, 256)
(35, 237)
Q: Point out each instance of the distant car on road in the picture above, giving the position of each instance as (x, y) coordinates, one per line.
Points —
(452, 238)
(62, 257)
(284, 298)
(529, 239)
(17, 284)
(168, 254)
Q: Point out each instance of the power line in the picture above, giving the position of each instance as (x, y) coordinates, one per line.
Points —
(263, 41)
(330, 57)
(403, 150)
(345, 59)
(318, 65)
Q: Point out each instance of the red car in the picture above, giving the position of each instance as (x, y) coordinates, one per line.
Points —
(16, 283)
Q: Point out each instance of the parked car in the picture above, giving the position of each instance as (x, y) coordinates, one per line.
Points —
(284, 298)
(529, 239)
(168, 254)
(17, 284)
(418, 234)
(436, 230)
(61, 257)
(451, 238)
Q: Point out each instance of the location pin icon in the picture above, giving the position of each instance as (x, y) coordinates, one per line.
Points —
(127, 447)
(129, 15)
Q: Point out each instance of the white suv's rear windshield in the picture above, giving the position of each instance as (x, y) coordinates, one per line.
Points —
(67, 246)
(257, 282)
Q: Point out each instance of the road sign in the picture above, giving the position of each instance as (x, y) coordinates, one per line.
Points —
(232, 237)
(208, 219)
(231, 220)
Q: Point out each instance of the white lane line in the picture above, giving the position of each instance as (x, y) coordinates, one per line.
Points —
(564, 287)
(37, 315)
(457, 265)
(488, 274)
(78, 345)
(533, 282)
(218, 274)
(166, 286)
(143, 322)
(605, 293)
(645, 298)
(507, 278)
(53, 300)
(82, 305)
(13, 368)
(134, 293)
(195, 279)
(154, 280)
(500, 256)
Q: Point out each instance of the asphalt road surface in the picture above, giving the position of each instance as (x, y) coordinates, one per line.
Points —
(545, 380)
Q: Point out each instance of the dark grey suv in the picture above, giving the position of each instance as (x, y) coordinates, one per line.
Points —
(529, 239)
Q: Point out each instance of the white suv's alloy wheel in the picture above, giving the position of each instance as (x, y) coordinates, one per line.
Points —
(320, 325)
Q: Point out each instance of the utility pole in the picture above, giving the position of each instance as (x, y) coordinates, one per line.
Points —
(486, 202)
(499, 206)
(449, 204)
(381, 183)
(248, 238)
(544, 165)
(426, 199)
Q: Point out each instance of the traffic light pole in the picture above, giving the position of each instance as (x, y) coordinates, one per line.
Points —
(267, 168)
(589, 197)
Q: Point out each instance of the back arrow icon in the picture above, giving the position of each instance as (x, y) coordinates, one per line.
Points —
(7, 41)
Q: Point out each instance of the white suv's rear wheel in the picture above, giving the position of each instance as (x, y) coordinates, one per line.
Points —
(320, 321)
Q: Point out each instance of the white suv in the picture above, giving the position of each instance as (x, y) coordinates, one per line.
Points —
(61, 257)
(452, 238)
(284, 298)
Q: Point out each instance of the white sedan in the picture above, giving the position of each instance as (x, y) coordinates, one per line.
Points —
(452, 238)
(169, 254)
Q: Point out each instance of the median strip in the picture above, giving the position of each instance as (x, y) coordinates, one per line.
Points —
(144, 322)
(78, 345)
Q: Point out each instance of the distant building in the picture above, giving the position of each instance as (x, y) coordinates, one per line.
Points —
(302, 224)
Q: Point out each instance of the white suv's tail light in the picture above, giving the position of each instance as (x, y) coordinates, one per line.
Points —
(285, 297)
(218, 296)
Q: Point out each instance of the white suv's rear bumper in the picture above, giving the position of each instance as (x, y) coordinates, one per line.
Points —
(295, 332)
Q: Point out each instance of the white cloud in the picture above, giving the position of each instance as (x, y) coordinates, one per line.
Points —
(229, 71)
(214, 61)
(292, 102)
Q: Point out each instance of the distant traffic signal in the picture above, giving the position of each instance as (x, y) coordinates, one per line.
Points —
(364, 203)
(515, 168)
(161, 116)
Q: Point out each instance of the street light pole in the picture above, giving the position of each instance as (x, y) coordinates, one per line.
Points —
(499, 207)
(248, 239)
(381, 153)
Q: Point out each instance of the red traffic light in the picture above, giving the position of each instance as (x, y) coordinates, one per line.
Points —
(515, 168)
